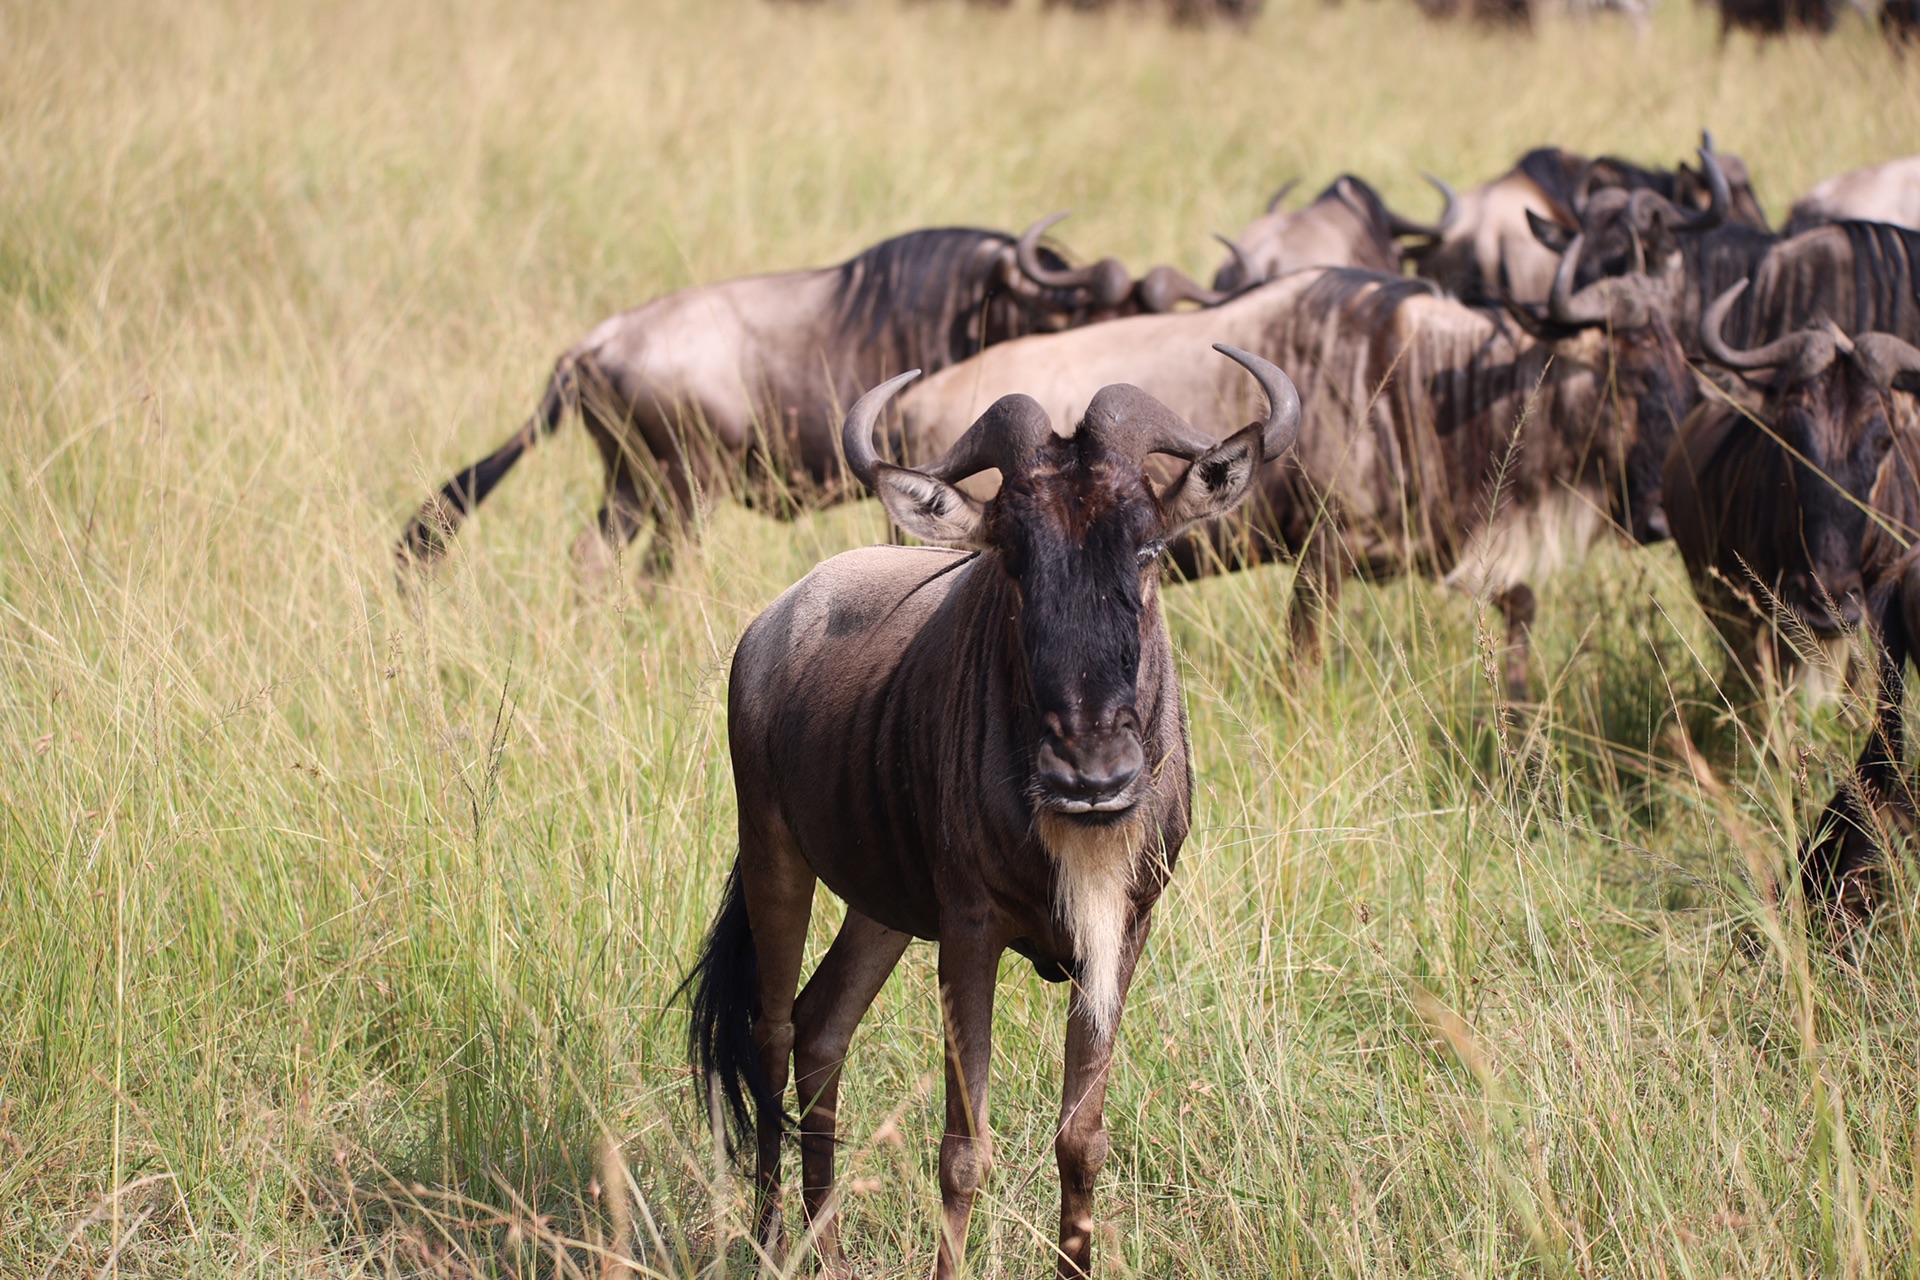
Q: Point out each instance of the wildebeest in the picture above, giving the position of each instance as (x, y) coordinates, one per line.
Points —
(1777, 17)
(1347, 225)
(753, 371)
(1864, 276)
(985, 747)
(1769, 503)
(1487, 241)
(1438, 437)
(1887, 192)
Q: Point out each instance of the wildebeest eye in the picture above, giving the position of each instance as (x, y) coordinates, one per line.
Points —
(1151, 551)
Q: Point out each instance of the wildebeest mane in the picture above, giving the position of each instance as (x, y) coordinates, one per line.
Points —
(1359, 196)
(1369, 297)
(1886, 278)
(1549, 169)
(916, 301)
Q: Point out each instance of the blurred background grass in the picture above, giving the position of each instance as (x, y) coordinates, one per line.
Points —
(336, 935)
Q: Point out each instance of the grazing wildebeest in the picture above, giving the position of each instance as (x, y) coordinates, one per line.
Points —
(1493, 232)
(753, 371)
(984, 747)
(1887, 192)
(1439, 438)
(1347, 225)
(1769, 503)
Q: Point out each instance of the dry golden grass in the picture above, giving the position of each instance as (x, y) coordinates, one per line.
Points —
(336, 937)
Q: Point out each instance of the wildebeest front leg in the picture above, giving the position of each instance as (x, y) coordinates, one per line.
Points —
(1081, 1145)
(836, 998)
(1518, 604)
(968, 970)
(1316, 592)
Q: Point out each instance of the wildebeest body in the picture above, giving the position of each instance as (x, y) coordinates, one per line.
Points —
(681, 393)
(985, 748)
(1438, 438)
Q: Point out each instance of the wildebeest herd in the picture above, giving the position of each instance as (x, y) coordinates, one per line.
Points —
(982, 742)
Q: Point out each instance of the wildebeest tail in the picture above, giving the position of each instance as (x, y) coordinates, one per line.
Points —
(425, 538)
(724, 1000)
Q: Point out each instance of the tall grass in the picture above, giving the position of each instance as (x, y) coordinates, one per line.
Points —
(337, 931)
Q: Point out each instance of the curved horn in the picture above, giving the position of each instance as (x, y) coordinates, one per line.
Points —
(1003, 438)
(1614, 301)
(1646, 202)
(1106, 279)
(856, 437)
(1885, 357)
(1282, 426)
(1564, 306)
(1801, 354)
(1162, 288)
(1286, 188)
(1251, 273)
(1400, 226)
(1720, 195)
(1135, 424)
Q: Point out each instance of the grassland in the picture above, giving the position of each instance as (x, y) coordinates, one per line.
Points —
(337, 933)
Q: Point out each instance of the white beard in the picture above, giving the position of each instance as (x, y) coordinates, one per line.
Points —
(1093, 877)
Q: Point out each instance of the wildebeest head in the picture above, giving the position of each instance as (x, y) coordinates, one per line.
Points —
(1077, 528)
(1626, 230)
(1108, 288)
(1648, 381)
(1826, 408)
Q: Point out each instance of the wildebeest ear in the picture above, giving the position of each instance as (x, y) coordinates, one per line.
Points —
(1549, 232)
(929, 509)
(1216, 482)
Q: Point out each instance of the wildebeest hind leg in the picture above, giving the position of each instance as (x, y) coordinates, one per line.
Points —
(1518, 604)
(779, 892)
(1081, 1144)
(837, 996)
(1316, 594)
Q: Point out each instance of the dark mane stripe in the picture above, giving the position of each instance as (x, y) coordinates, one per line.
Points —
(1357, 195)
(913, 301)
(1886, 279)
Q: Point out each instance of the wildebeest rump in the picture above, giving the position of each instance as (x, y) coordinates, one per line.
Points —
(985, 747)
(679, 391)
(1887, 192)
(1438, 438)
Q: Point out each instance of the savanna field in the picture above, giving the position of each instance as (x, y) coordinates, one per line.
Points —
(339, 926)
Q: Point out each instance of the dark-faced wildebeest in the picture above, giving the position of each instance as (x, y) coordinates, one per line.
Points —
(1887, 192)
(1769, 504)
(1438, 438)
(984, 747)
(754, 371)
(1347, 225)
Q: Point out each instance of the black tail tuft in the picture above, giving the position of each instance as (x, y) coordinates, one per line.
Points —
(724, 991)
(424, 540)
